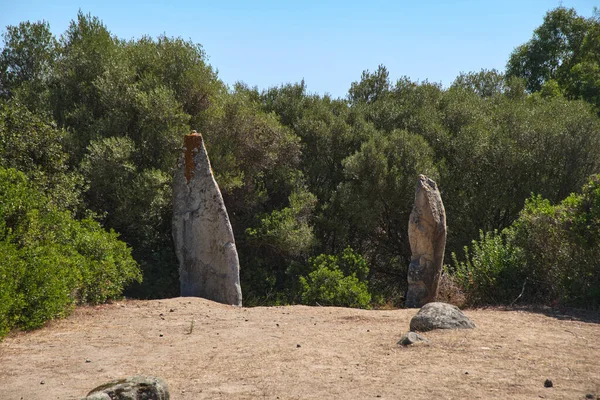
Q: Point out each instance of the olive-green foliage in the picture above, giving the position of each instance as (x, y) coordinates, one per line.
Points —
(52, 261)
(500, 149)
(564, 53)
(12, 268)
(249, 150)
(30, 142)
(26, 64)
(372, 86)
(483, 83)
(329, 132)
(562, 247)
(105, 87)
(336, 281)
(492, 272)
(137, 203)
(288, 229)
(553, 250)
(274, 243)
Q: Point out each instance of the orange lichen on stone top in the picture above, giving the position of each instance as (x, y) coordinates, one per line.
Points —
(192, 144)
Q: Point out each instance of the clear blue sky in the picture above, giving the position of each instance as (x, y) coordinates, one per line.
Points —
(328, 43)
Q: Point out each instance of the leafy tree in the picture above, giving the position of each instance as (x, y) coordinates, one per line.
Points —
(127, 105)
(26, 63)
(502, 149)
(31, 142)
(287, 231)
(181, 66)
(86, 49)
(330, 132)
(137, 203)
(564, 49)
(552, 50)
(288, 102)
(372, 86)
(246, 145)
(484, 83)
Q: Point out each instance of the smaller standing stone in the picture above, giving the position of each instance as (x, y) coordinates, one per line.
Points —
(440, 316)
(427, 237)
(132, 388)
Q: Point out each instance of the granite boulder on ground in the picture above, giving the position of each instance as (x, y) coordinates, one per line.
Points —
(439, 315)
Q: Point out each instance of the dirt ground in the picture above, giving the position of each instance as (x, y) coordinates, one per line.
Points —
(206, 350)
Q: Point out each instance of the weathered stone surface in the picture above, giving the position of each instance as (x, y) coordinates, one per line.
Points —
(204, 242)
(412, 338)
(440, 316)
(132, 388)
(427, 236)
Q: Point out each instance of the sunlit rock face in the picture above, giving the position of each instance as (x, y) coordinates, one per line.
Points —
(427, 236)
(208, 260)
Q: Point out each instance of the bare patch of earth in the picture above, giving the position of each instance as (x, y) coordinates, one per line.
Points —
(206, 350)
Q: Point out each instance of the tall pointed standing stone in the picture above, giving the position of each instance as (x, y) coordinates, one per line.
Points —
(427, 236)
(204, 243)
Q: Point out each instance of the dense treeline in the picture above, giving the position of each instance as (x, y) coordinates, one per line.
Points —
(319, 190)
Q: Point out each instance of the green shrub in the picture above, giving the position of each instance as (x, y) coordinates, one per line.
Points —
(490, 273)
(46, 285)
(337, 281)
(52, 261)
(562, 247)
(553, 249)
(12, 268)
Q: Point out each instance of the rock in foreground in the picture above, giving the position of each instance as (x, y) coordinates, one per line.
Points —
(132, 388)
(412, 338)
(440, 316)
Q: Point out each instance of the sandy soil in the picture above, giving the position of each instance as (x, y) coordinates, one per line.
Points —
(206, 350)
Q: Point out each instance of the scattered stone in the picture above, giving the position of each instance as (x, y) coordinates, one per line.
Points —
(440, 316)
(132, 388)
(411, 338)
(548, 383)
(87, 360)
(208, 261)
(427, 236)
(297, 346)
(589, 396)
